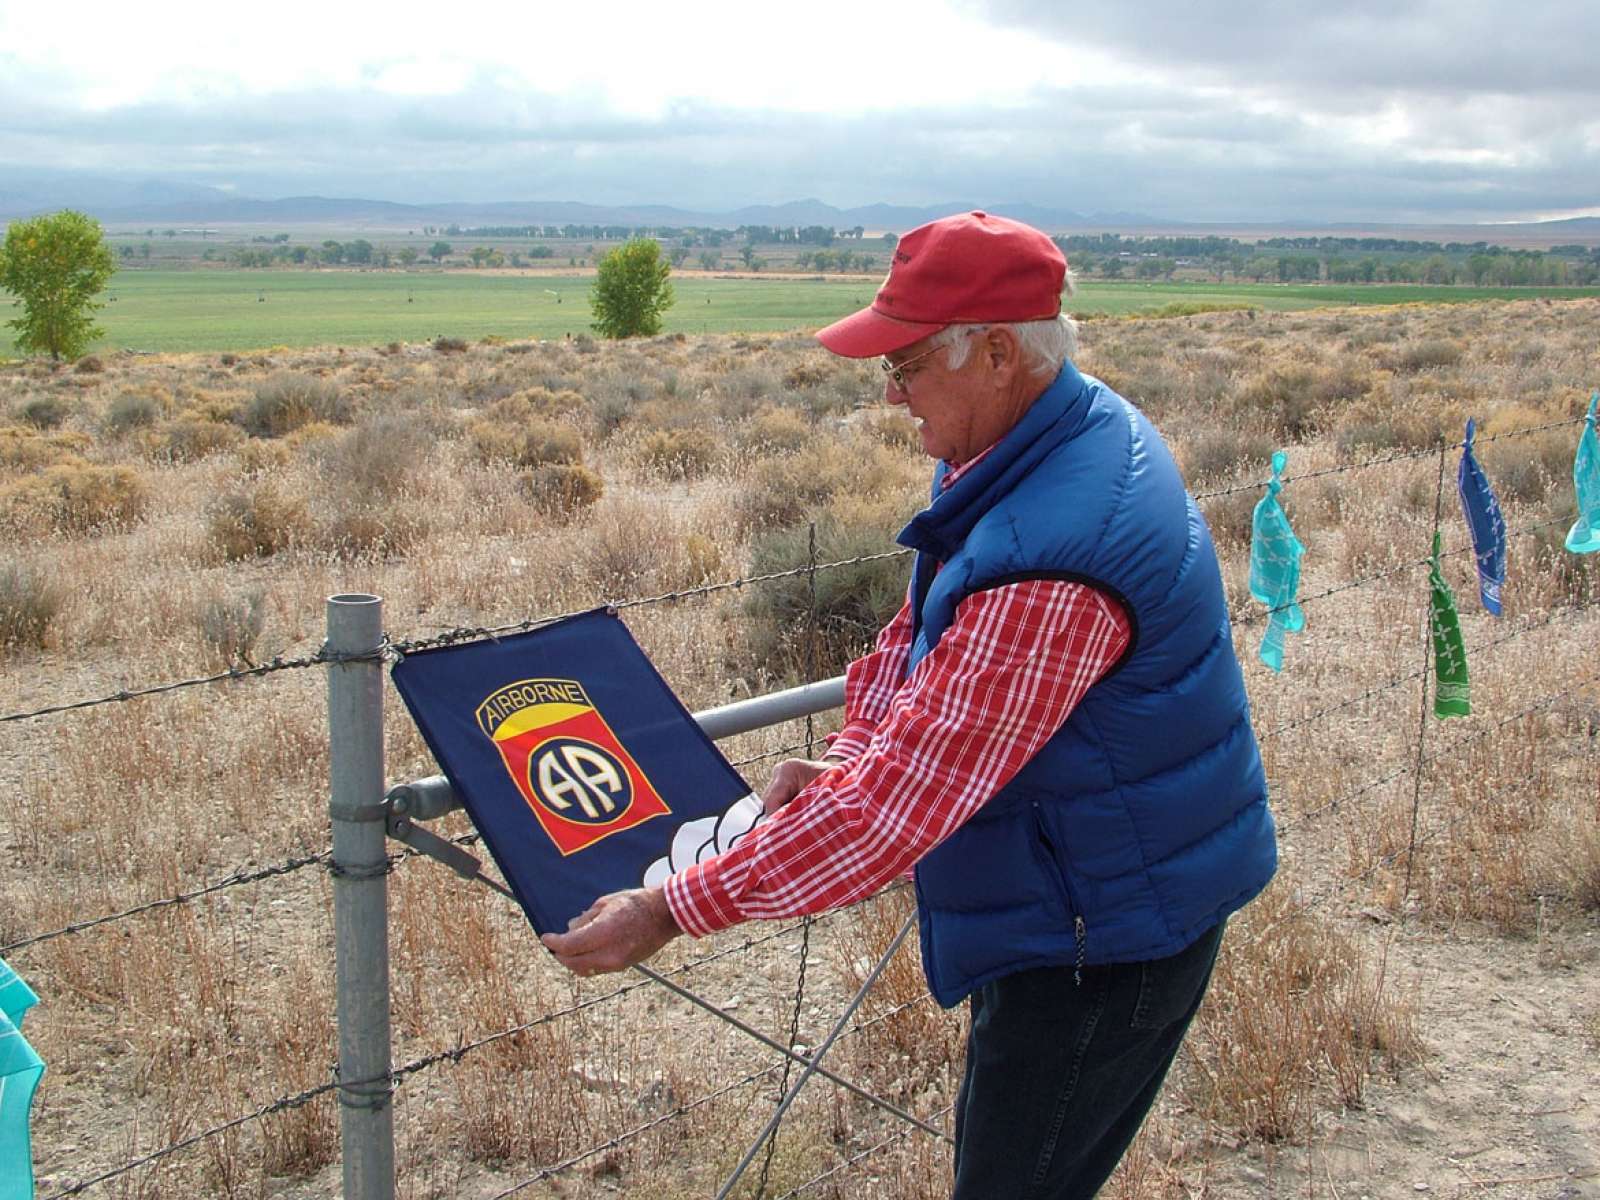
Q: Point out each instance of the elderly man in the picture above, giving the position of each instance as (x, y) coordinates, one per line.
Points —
(1053, 731)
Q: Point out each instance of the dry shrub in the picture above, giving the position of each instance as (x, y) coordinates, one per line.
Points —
(1425, 355)
(1219, 454)
(778, 492)
(1229, 516)
(89, 365)
(134, 409)
(892, 427)
(382, 456)
(260, 457)
(29, 602)
(300, 1141)
(30, 450)
(1525, 468)
(679, 453)
(775, 430)
(373, 529)
(1292, 1007)
(1576, 855)
(538, 401)
(1558, 575)
(449, 345)
(76, 498)
(289, 400)
(189, 439)
(46, 412)
(562, 490)
(851, 602)
(532, 442)
(257, 521)
(914, 1040)
(230, 626)
(1282, 402)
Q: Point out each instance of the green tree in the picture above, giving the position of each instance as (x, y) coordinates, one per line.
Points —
(631, 290)
(56, 265)
(438, 251)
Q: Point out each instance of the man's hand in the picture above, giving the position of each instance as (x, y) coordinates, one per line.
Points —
(789, 780)
(614, 932)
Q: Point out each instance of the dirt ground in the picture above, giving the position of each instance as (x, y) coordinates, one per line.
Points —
(1506, 1105)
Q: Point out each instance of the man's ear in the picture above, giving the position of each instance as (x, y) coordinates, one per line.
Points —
(1003, 348)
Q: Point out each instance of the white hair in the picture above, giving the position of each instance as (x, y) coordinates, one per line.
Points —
(1046, 344)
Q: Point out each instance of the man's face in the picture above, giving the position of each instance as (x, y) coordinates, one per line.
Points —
(945, 403)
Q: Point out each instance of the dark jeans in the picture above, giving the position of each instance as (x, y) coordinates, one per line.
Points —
(1060, 1075)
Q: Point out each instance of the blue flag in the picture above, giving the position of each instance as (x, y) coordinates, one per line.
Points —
(20, 1069)
(1484, 520)
(581, 769)
(1275, 567)
(1584, 537)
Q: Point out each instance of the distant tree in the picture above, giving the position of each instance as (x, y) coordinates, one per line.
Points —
(144, 251)
(332, 251)
(890, 240)
(631, 290)
(678, 255)
(56, 265)
(1112, 268)
(407, 255)
(480, 255)
(358, 251)
(439, 251)
(709, 260)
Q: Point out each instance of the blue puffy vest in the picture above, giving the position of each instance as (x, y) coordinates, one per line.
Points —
(1143, 822)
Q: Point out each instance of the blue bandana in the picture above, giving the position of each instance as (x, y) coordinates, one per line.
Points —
(1484, 520)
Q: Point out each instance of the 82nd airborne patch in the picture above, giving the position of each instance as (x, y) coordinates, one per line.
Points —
(576, 776)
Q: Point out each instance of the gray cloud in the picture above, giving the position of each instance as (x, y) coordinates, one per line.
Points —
(1287, 147)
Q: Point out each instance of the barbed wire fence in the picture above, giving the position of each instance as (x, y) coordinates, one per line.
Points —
(1419, 760)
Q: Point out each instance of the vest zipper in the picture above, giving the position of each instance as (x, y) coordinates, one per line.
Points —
(1080, 928)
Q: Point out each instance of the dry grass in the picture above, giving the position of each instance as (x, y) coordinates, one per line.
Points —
(168, 515)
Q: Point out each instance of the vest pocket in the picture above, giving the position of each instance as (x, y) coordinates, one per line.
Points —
(1050, 856)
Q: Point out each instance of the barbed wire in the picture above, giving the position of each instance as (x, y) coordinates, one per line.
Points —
(1385, 459)
(1440, 756)
(237, 879)
(1399, 681)
(282, 1104)
(1254, 616)
(463, 633)
(320, 658)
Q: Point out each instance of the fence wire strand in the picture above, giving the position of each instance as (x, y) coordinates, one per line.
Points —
(237, 879)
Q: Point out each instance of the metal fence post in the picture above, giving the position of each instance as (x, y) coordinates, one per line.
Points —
(360, 894)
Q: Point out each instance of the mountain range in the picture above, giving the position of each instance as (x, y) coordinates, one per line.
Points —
(27, 192)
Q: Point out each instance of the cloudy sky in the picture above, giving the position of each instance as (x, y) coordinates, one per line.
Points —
(1207, 110)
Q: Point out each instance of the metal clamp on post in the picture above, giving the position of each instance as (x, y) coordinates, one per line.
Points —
(404, 829)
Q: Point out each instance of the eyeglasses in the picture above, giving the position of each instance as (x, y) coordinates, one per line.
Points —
(896, 371)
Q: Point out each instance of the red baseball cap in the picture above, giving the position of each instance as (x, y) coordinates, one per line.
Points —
(971, 268)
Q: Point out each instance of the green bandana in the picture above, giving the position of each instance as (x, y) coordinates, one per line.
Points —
(1452, 695)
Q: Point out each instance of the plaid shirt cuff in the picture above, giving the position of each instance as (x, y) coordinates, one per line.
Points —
(698, 901)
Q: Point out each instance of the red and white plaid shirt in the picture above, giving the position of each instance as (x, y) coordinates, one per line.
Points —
(918, 754)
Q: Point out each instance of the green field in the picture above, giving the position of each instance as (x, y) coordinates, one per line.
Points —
(239, 310)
